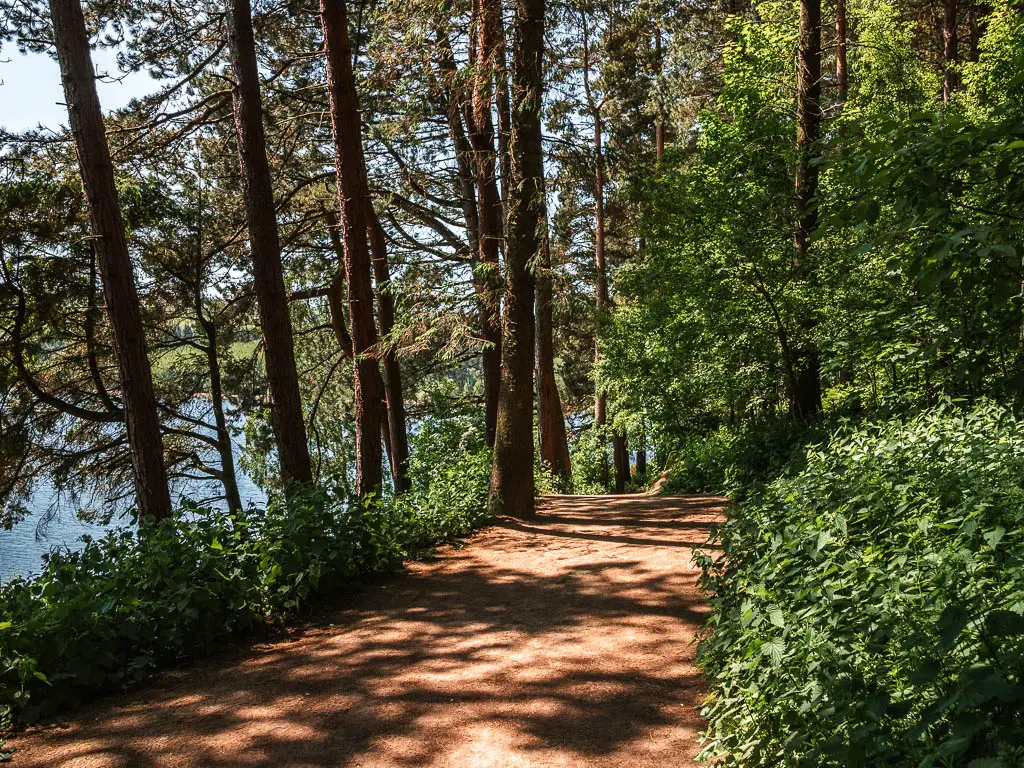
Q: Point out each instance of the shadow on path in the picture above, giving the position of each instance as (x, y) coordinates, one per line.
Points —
(563, 642)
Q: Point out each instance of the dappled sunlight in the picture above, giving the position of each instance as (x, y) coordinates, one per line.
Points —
(565, 641)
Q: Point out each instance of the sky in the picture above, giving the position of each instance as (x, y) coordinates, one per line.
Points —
(31, 93)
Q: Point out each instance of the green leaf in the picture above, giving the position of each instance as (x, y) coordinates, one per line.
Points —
(1005, 623)
(952, 622)
(993, 537)
(774, 648)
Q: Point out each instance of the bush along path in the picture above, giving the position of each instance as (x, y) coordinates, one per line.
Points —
(869, 607)
(565, 641)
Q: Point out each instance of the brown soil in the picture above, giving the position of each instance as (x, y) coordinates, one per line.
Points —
(567, 641)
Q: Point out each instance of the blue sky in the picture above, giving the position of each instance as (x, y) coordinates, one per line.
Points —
(31, 94)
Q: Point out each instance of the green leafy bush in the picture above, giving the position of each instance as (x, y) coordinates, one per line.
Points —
(869, 610)
(5, 721)
(107, 616)
(732, 459)
(449, 468)
(591, 461)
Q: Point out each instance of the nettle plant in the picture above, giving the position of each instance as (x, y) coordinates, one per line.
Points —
(871, 607)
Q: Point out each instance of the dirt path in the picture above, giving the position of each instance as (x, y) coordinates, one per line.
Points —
(564, 642)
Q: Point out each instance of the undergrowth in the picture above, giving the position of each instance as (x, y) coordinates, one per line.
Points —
(107, 616)
(869, 609)
(733, 459)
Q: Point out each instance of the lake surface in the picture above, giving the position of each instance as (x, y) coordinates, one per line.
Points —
(23, 547)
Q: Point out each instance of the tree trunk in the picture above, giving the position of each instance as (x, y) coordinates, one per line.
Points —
(512, 486)
(842, 73)
(111, 247)
(91, 319)
(485, 276)
(397, 437)
(554, 445)
(950, 47)
(736, 8)
(621, 454)
(805, 394)
(489, 212)
(659, 119)
(354, 200)
(600, 267)
(336, 307)
(453, 105)
(265, 244)
(978, 18)
(336, 290)
(228, 476)
(641, 454)
(808, 109)
(504, 111)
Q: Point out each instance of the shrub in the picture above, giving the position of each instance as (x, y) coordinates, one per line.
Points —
(5, 721)
(733, 459)
(449, 469)
(592, 467)
(869, 610)
(107, 616)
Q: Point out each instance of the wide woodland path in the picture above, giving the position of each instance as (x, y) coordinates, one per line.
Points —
(565, 641)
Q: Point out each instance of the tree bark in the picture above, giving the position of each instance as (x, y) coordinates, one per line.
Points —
(600, 267)
(554, 444)
(978, 19)
(354, 201)
(228, 475)
(504, 111)
(805, 394)
(489, 211)
(659, 152)
(397, 437)
(453, 104)
(265, 245)
(621, 454)
(659, 119)
(641, 454)
(842, 73)
(512, 485)
(111, 247)
(336, 290)
(950, 47)
(808, 108)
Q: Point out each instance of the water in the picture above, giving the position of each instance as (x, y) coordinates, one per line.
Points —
(23, 547)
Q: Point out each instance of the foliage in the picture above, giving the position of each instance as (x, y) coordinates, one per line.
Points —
(915, 272)
(870, 609)
(733, 459)
(698, 319)
(449, 468)
(5, 721)
(107, 616)
(591, 461)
